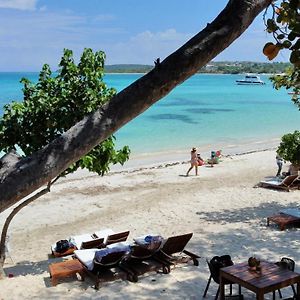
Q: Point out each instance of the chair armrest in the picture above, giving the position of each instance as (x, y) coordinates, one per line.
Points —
(191, 254)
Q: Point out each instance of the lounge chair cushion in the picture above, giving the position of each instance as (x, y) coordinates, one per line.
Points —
(86, 257)
(119, 247)
(77, 240)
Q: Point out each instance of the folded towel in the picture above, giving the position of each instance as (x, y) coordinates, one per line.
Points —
(150, 241)
(113, 248)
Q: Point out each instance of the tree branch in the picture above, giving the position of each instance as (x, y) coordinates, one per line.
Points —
(32, 172)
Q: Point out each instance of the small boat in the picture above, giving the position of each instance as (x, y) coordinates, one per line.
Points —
(250, 79)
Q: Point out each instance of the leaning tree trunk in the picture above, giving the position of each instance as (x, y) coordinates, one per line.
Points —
(9, 219)
(30, 173)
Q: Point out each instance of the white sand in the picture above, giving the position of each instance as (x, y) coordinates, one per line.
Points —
(221, 207)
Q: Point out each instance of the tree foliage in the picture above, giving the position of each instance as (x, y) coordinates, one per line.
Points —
(57, 102)
(289, 148)
(284, 25)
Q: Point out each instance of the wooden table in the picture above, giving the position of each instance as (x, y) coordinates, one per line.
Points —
(65, 269)
(283, 220)
(271, 278)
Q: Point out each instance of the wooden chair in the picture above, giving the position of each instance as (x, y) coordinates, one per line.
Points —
(284, 184)
(104, 266)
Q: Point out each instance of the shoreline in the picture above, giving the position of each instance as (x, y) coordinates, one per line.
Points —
(149, 160)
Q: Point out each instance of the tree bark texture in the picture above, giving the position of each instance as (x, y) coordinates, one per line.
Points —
(28, 174)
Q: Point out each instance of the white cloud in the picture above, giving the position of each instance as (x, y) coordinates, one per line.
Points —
(145, 47)
(19, 4)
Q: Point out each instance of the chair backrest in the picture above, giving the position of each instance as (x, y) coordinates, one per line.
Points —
(176, 244)
(216, 263)
(140, 253)
(290, 264)
(117, 237)
(287, 181)
(96, 243)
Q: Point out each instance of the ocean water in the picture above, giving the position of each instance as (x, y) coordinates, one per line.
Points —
(207, 111)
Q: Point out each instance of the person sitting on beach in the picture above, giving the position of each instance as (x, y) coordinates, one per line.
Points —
(200, 160)
(213, 159)
(194, 161)
(293, 170)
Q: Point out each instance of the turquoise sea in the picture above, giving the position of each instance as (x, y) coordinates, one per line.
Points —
(205, 110)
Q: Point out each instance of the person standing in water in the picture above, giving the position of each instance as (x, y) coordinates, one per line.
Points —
(194, 161)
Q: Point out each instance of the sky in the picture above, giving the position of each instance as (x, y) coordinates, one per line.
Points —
(34, 32)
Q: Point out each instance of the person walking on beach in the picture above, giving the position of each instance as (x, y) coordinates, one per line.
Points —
(279, 162)
(194, 161)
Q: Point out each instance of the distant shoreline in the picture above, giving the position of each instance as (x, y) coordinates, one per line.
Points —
(220, 67)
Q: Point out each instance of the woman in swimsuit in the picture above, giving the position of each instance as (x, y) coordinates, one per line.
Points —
(194, 161)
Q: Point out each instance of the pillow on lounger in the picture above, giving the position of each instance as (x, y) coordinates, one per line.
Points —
(150, 241)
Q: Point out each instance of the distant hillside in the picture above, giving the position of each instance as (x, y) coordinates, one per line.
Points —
(224, 67)
(129, 68)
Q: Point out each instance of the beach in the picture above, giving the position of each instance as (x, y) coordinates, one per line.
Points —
(221, 207)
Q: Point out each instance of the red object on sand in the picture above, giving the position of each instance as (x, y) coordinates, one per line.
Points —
(10, 275)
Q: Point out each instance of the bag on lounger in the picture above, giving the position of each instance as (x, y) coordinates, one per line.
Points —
(62, 246)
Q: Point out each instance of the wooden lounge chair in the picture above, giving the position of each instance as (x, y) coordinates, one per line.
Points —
(141, 260)
(286, 184)
(107, 268)
(296, 183)
(99, 239)
(173, 251)
(285, 218)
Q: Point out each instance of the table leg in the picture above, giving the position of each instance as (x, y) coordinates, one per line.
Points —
(298, 291)
(259, 296)
(54, 280)
(222, 291)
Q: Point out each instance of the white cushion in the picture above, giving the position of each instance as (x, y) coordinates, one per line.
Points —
(86, 256)
(77, 240)
(119, 247)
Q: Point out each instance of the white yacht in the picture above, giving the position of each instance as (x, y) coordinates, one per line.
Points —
(250, 79)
